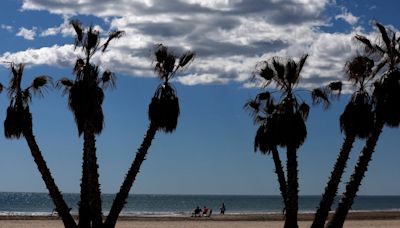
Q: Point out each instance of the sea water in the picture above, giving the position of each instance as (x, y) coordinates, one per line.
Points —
(13, 203)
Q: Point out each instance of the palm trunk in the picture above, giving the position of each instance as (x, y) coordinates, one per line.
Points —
(281, 174)
(84, 211)
(94, 193)
(55, 194)
(120, 198)
(332, 186)
(355, 180)
(292, 203)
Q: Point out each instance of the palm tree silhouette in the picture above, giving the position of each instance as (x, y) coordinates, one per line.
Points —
(356, 121)
(286, 122)
(163, 115)
(18, 123)
(263, 110)
(387, 111)
(85, 101)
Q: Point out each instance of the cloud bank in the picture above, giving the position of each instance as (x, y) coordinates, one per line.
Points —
(229, 36)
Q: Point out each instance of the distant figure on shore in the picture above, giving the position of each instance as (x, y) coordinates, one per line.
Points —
(205, 211)
(222, 209)
(196, 212)
(55, 211)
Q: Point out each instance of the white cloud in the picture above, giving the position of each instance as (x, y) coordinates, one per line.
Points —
(8, 28)
(229, 36)
(347, 17)
(65, 29)
(54, 56)
(196, 79)
(28, 34)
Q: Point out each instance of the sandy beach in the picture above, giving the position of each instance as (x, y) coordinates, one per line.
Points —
(359, 219)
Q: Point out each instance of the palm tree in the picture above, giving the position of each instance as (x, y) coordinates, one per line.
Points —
(356, 121)
(290, 115)
(18, 123)
(262, 108)
(85, 101)
(387, 112)
(163, 115)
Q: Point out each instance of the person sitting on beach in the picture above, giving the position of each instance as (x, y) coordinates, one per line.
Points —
(205, 211)
(196, 212)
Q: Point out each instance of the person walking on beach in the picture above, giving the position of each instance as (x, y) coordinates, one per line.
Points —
(222, 209)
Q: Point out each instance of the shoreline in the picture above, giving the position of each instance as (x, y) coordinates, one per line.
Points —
(355, 215)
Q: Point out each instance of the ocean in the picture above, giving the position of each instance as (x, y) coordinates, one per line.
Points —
(12, 203)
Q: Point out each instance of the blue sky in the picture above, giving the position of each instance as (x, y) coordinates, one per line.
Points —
(212, 150)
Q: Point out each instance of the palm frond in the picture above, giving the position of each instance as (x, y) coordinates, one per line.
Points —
(76, 24)
(113, 35)
(164, 108)
(291, 75)
(320, 95)
(279, 68)
(366, 42)
(26, 96)
(169, 63)
(40, 83)
(381, 51)
(266, 72)
(186, 58)
(385, 36)
(253, 107)
(264, 96)
(359, 68)
(160, 53)
(78, 68)
(66, 85)
(92, 39)
(108, 79)
(335, 87)
(301, 63)
(381, 64)
(304, 110)
(15, 79)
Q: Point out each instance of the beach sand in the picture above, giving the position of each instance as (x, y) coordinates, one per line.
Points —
(360, 219)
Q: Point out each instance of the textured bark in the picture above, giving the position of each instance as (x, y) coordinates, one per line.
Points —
(280, 173)
(55, 194)
(94, 193)
(292, 205)
(121, 197)
(333, 184)
(355, 180)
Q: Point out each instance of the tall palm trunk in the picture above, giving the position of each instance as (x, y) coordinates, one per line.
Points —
(355, 180)
(332, 186)
(55, 194)
(84, 209)
(120, 198)
(280, 173)
(292, 203)
(94, 193)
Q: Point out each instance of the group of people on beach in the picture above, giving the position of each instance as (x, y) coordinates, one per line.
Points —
(206, 212)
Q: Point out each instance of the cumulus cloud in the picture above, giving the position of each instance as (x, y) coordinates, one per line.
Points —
(65, 29)
(28, 34)
(54, 55)
(347, 17)
(229, 36)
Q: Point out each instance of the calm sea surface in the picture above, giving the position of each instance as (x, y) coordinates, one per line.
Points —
(40, 204)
